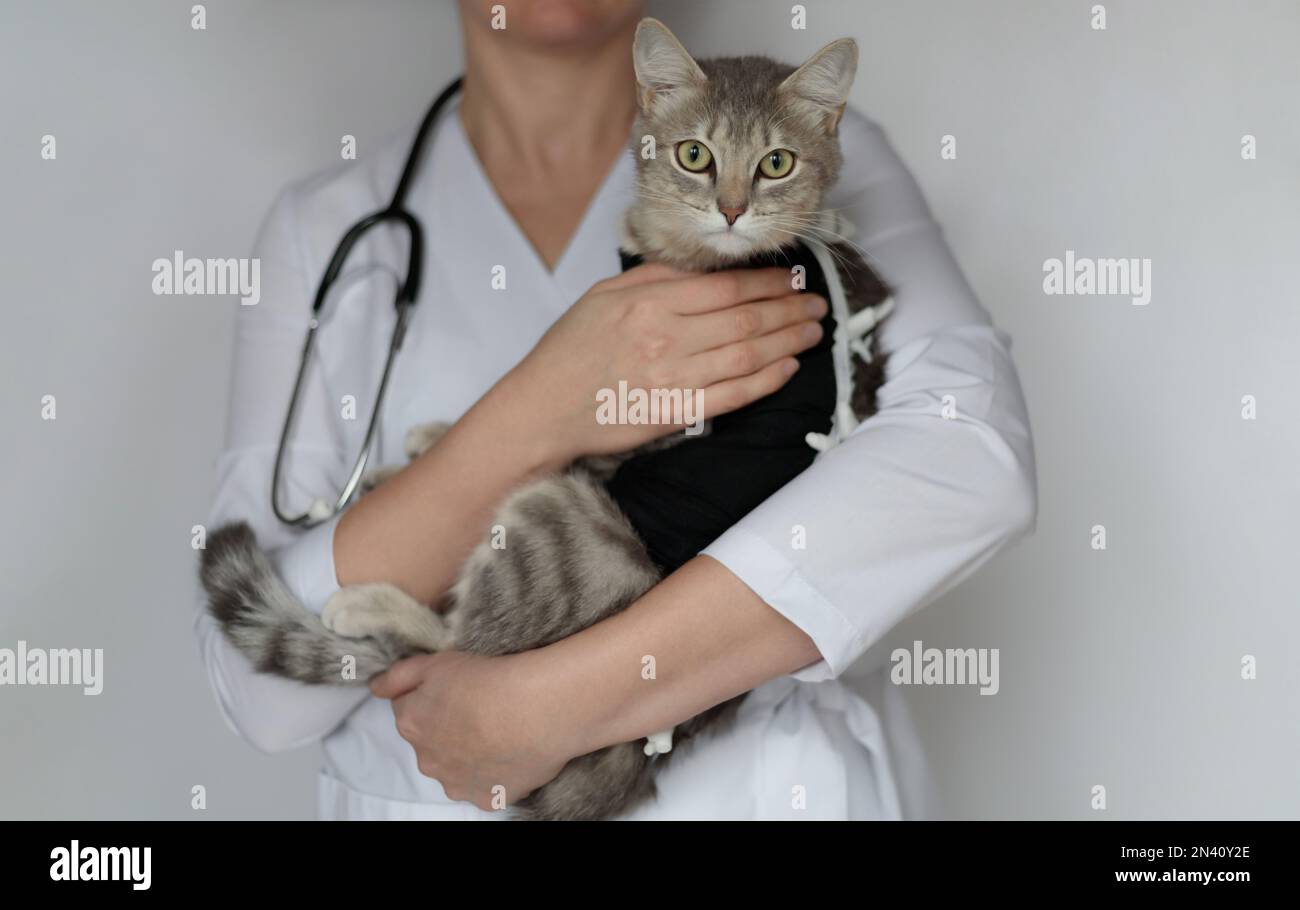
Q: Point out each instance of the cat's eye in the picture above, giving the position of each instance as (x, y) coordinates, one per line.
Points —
(693, 155)
(776, 163)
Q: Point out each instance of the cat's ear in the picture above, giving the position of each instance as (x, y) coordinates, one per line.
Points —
(662, 64)
(826, 78)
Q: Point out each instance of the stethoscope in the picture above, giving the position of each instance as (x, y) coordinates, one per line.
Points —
(321, 510)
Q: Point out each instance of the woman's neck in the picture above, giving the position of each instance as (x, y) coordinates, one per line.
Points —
(538, 111)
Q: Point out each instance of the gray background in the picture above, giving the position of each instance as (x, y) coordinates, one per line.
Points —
(1118, 668)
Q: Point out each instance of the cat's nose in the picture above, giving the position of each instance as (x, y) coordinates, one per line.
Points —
(731, 212)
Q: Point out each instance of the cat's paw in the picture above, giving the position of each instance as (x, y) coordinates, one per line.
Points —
(356, 612)
(419, 439)
(386, 612)
(377, 476)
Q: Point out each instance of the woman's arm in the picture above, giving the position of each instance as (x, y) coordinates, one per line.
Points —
(514, 721)
(650, 327)
(913, 502)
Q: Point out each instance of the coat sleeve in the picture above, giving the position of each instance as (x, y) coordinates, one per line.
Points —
(272, 713)
(930, 487)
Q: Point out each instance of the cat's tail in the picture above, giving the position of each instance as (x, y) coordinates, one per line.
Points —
(262, 618)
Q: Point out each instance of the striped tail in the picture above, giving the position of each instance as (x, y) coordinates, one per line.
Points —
(261, 617)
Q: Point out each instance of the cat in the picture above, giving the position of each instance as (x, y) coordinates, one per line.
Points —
(728, 127)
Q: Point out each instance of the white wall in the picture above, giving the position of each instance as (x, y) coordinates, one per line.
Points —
(1118, 667)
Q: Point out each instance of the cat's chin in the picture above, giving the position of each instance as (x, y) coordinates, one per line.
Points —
(729, 249)
(730, 246)
(707, 254)
(694, 251)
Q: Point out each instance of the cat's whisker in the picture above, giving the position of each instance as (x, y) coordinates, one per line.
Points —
(802, 232)
(831, 237)
(840, 259)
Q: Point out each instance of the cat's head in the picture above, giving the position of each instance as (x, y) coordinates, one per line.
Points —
(745, 148)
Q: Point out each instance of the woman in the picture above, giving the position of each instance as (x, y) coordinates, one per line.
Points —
(520, 193)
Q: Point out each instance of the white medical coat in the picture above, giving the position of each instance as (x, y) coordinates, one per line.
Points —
(901, 511)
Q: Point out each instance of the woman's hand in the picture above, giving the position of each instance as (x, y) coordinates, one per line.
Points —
(731, 334)
(513, 722)
(475, 726)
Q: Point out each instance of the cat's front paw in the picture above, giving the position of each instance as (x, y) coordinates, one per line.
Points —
(378, 476)
(419, 439)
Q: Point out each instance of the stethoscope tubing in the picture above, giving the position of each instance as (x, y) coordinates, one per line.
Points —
(404, 302)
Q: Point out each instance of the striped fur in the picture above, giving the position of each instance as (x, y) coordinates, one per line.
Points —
(569, 560)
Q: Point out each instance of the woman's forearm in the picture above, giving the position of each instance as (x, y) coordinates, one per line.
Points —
(416, 529)
(480, 724)
(698, 638)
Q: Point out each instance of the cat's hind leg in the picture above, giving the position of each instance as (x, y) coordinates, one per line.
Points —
(560, 557)
(565, 557)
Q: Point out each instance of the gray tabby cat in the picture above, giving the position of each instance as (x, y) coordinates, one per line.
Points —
(572, 557)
